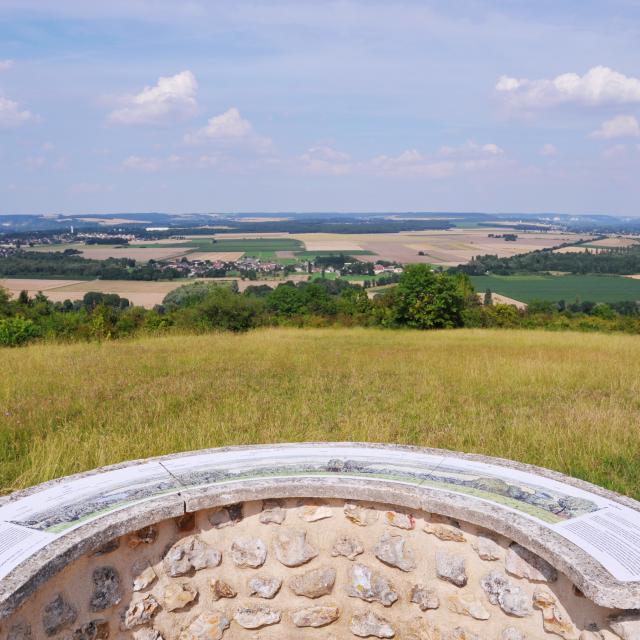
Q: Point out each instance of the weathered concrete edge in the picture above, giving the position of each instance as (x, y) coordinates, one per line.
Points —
(589, 576)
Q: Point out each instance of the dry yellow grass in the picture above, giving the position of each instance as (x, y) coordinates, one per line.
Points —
(566, 401)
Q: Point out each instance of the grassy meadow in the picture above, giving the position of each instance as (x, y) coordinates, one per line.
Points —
(562, 400)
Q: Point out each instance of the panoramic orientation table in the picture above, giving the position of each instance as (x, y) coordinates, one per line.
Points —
(589, 533)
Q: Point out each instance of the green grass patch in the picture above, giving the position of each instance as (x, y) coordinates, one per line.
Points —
(569, 288)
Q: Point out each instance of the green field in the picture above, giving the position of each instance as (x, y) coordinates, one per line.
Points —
(310, 255)
(534, 396)
(249, 246)
(527, 288)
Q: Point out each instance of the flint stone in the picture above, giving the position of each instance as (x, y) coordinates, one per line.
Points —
(178, 596)
(511, 633)
(58, 615)
(368, 585)
(627, 625)
(347, 547)
(256, 617)
(314, 583)
(486, 548)
(392, 550)
(553, 619)
(226, 516)
(467, 604)
(147, 633)
(444, 532)
(106, 589)
(360, 515)
(94, 630)
(190, 553)
(144, 579)
(292, 549)
(141, 612)
(220, 589)
(452, 568)
(272, 512)
(511, 598)
(207, 626)
(264, 586)
(369, 624)
(315, 616)
(424, 597)
(523, 563)
(315, 512)
(146, 535)
(19, 631)
(248, 552)
(400, 520)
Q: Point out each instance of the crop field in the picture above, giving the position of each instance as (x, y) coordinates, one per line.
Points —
(533, 396)
(568, 288)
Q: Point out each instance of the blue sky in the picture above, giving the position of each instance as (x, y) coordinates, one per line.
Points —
(320, 105)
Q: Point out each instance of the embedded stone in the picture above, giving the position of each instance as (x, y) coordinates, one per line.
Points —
(393, 550)
(511, 633)
(106, 589)
(368, 585)
(94, 630)
(19, 631)
(424, 597)
(226, 516)
(400, 520)
(220, 589)
(421, 629)
(264, 586)
(347, 547)
(626, 625)
(314, 583)
(292, 549)
(554, 620)
(467, 604)
(360, 515)
(272, 512)
(452, 568)
(460, 633)
(501, 591)
(486, 548)
(144, 579)
(315, 616)
(523, 563)
(248, 552)
(146, 535)
(313, 513)
(370, 624)
(209, 625)
(147, 633)
(58, 615)
(190, 553)
(178, 596)
(256, 617)
(141, 612)
(444, 532)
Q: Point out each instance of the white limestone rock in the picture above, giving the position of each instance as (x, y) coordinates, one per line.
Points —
(394, 551)
(315, 616)
(523, 563)
(469, 605)
(292, 549)
(369, 624)
(190, 553)
(347, 547)
(141, 612)
(424, 597)
(256, 617)
(314, 583)
(272, 512)
(210, 625)
(248, 552)
(264, 586)
(178, 595)
(371, 586)
(501, 591)
(452, 568)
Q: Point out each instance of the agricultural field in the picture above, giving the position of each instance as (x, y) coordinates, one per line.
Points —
(592, 288)
(533, 396)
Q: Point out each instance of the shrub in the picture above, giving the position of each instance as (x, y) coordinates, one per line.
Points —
(16, 331)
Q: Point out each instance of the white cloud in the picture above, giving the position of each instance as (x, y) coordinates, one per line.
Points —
(11, 115)
(548, 149)
(173, 97)
(151, 164)
(230, 129)
(5, 65)
(325, 160)
(616, 151)
(598, 86)
(618, 127)
(412, 163)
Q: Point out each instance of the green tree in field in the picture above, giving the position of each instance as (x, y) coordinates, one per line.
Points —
(488, 298)
(424, 299)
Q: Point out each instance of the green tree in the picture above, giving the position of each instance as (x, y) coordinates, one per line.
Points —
(427, 300)
(488, 298)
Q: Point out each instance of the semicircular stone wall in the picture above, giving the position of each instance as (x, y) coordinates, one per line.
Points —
(282, 564)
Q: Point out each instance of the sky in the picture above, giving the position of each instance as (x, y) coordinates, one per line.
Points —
(320, 105)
